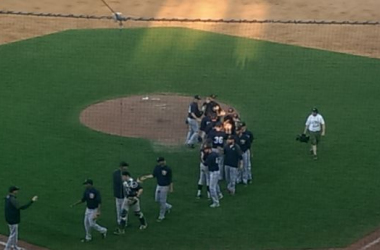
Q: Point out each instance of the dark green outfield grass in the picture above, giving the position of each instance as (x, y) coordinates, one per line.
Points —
(295, 202)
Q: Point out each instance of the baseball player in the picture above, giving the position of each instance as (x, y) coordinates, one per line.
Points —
(133, 191)
(218, 139)
(211, 124)
(212, 163)
(229, 122)
(204, 178)
(13, 217)
(206, 120)
(248, 134)
(118, 190)
(315, 126)
(232, 161)
(244, 142)
(93, 201)
(210, 107)
(193, 119)
(163, 174)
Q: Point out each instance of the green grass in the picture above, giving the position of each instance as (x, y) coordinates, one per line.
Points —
(294, 201)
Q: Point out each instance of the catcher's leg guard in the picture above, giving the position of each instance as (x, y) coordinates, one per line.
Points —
(141, 217)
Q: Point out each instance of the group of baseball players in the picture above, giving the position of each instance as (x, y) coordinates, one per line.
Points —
(225, 154)
(225, 147)
(127, 192)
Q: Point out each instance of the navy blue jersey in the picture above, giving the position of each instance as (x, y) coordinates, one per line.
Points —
(131, 188)
(204, 123)
(118, 190)
(203, 155)
(212, 162)
(243, 142)
(250, 136)
(217, 138)
(92, 197)
(210, 126)
(210, 108)
(163, 174)
(193, 108)
(232, 155)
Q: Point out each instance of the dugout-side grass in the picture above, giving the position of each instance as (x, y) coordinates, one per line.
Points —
(295, 202)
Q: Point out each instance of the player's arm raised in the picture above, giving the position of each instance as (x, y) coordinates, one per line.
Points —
(145, 177)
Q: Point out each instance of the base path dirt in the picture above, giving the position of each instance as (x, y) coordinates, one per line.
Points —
(24, 245)
(157, 117)
(352, 39)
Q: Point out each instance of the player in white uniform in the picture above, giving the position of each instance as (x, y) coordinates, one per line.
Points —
(315, 126)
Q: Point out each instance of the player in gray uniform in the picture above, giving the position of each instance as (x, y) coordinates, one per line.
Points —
(133, 191)
(232, 162)
(93, 199)
(244, 142)
(118, 190)
(13, 216)
(193, 120)
(212, 163)
(248, 134)
(218, 137)
(204, 177)
(163, 174)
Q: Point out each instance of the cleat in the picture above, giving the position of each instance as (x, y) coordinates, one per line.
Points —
(142, 227)
(199, 196)
(104, 235)
(85, 240)
(160, 219)
(214, 205)
(119, 231)
(315, 157)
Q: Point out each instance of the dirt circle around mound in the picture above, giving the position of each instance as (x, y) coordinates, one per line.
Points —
(157, 117)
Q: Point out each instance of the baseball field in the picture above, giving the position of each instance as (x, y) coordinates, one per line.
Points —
(294, 202)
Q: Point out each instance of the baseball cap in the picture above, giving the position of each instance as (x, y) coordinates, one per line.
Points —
(218, 124)
(207, 146)
(213, 96)
(230, 110)
(315, 110)
(160, 159)
(197, 97)
(124, 164)
(88, 181)
(13, 188)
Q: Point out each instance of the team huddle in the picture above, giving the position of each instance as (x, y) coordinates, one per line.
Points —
(225, 151)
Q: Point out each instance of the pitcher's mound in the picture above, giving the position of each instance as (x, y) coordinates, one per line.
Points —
(156, 117)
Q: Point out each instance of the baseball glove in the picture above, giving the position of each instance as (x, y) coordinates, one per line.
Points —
(302, 138)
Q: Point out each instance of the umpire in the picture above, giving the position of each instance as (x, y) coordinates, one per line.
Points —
(12, 216)
(118, 189)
